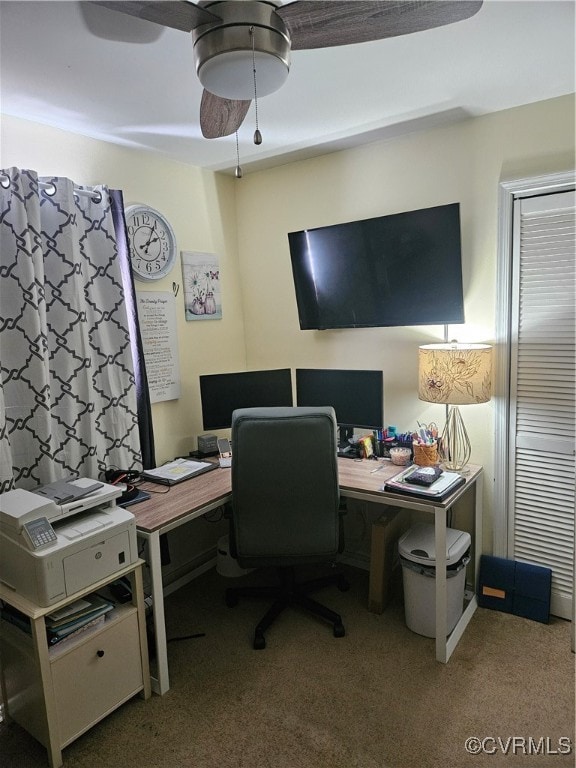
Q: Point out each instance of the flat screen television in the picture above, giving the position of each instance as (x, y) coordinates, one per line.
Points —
(356, 396)
(223, 393)
(401, 269)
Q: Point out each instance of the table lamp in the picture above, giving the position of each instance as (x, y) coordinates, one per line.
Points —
(455, 374)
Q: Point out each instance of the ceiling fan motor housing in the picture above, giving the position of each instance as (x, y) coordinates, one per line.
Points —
(223, 50)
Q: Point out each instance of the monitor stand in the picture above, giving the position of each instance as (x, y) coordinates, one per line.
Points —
(345, 449)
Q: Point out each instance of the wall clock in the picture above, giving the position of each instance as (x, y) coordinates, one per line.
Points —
(152, 242)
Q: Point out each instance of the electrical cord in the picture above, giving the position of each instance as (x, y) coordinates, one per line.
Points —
(186, 637)
(215, 516)
(149, 489)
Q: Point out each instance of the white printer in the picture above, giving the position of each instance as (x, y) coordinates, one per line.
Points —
(51, 550)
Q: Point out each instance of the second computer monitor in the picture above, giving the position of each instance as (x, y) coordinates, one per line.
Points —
(223, 393)
(356, 396)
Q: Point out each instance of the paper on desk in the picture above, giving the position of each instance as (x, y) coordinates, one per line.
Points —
(179, 469)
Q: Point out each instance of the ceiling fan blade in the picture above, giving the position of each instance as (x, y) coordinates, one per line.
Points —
(339, 22)
(220, 117)
(177, 14)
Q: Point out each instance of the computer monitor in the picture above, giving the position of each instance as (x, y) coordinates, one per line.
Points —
(223, 393)
(356, 396)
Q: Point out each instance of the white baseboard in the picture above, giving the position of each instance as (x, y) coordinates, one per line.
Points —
(355, 559)
(189, 576)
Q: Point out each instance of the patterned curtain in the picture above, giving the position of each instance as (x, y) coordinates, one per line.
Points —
(67, 388)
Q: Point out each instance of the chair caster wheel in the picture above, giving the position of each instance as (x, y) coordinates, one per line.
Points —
(259, 642)
(343, 585)
(339, 630)
(231, 598)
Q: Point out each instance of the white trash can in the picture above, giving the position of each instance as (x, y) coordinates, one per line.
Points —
(226, 565)
(417, 552)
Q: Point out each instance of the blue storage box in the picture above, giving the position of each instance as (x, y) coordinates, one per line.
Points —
(519, 588)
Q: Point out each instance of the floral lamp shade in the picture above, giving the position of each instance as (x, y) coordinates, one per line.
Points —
(456, 374)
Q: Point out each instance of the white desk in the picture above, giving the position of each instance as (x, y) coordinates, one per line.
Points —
(357, 481)
(195, 497)
(162, 513)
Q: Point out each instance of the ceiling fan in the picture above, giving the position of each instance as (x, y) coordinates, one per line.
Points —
(242, 47)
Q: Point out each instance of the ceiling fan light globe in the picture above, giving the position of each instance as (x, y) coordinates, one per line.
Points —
(230, 74)
(250, 36)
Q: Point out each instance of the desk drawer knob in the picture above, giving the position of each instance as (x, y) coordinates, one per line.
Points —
(99, 654)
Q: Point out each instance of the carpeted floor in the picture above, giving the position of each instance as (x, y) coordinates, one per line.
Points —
(373, 699)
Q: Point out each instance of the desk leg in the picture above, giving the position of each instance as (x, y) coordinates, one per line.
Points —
(446, 645)
(138, 601)
(441, 586)
(478, 502)
(162, 683)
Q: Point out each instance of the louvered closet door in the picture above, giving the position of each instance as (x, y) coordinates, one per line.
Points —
(542, 398)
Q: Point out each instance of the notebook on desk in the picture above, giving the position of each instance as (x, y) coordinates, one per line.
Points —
(178, 470)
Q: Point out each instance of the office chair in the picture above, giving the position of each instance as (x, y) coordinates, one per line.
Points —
(285, 508)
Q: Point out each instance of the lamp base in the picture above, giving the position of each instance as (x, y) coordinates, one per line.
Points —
(457, 469)
(455, 446)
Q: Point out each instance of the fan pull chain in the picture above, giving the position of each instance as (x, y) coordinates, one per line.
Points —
(238, 171)
(257, 134)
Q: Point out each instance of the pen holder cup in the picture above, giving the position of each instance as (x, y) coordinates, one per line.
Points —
(426, 455)
(400, 456)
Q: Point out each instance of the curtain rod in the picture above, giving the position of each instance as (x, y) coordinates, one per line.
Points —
(50, 188)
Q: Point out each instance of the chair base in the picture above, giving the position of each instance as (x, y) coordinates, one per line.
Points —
(287, 593)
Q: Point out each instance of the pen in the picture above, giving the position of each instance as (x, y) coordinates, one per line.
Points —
(377, 469)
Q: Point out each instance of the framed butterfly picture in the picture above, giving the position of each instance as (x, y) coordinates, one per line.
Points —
(201, 281)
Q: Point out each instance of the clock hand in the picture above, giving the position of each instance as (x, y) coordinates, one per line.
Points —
(150, 239)
(145, 246)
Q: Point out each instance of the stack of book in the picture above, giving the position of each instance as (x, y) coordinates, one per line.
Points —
(67, 622)
(83, 614)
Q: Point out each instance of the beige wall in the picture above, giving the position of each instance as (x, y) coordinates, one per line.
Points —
(461, 163)
(246, 223)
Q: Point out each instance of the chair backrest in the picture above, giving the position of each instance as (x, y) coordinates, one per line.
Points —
(285, 495)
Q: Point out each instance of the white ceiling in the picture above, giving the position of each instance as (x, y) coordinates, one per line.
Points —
(145, 94)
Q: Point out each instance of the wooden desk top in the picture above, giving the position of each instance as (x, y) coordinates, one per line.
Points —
(360, 477)
(168, 504)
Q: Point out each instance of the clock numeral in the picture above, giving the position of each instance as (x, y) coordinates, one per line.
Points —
(149, 266)
(141, 220)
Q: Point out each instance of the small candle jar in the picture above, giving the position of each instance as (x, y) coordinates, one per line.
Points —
(400, 456)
